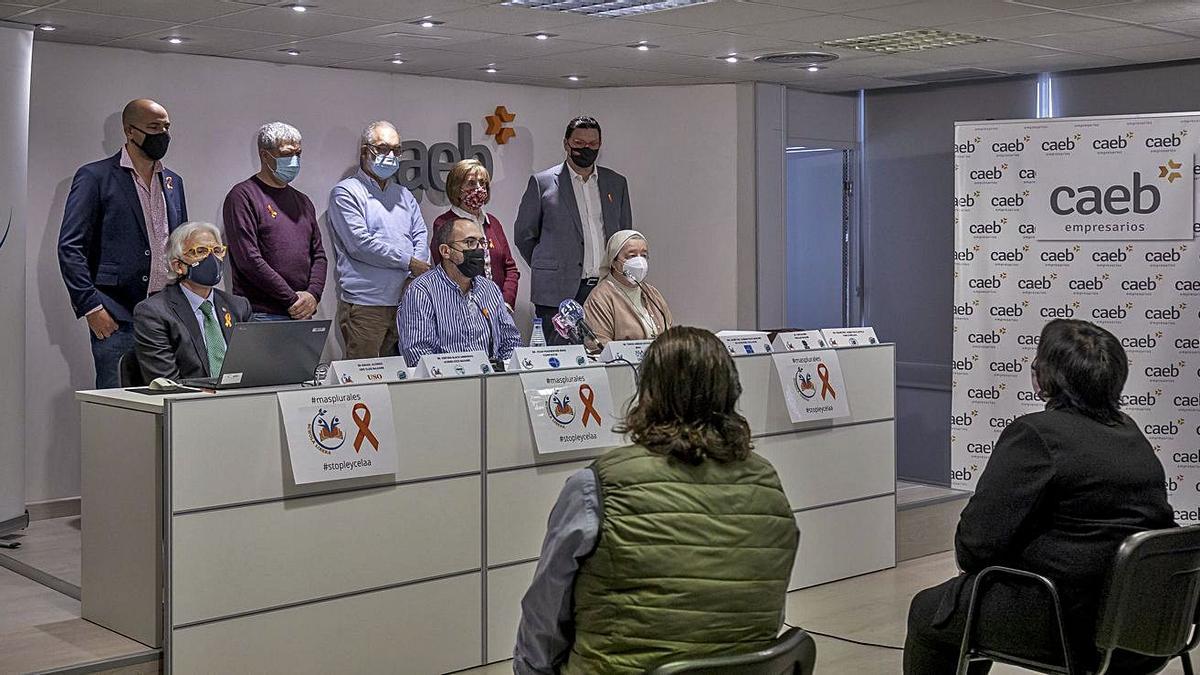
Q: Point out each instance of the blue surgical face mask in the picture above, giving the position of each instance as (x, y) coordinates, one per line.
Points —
(384, 166)
(286, 168)
(207, 272)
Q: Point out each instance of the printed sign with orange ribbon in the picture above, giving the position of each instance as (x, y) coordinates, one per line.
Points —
(317, 425)
(570, 410)
(812, 385)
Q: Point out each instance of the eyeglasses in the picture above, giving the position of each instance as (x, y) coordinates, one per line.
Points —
(204, 251)
(595, 145)
(472, 243)
(384, 149)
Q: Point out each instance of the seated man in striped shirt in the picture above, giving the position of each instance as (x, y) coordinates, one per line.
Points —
(453, 307)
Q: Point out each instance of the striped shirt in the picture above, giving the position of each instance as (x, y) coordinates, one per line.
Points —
(436, 317)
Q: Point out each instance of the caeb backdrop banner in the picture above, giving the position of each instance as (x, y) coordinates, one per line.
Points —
(16, 57)
(1086, 218)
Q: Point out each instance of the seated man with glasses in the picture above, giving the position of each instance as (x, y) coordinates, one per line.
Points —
(181, 332)
(454, 308)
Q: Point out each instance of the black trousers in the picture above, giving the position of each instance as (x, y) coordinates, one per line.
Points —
(1013, 618)
(546, 313)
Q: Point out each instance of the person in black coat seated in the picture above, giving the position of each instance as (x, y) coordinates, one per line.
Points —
(182, 331)
(1062, 490)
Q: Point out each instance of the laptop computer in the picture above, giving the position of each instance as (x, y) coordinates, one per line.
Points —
(268, 354)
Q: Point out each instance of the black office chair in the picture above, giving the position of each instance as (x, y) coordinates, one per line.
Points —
(129, 372)
(793, 653)
(1151, 605)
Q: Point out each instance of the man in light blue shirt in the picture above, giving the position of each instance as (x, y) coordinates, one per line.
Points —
(381, 243)
(455, 308)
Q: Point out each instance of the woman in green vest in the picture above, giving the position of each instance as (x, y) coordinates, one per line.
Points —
(680, 545)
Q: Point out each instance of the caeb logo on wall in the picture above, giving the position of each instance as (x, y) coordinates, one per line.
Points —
(424, 167)
(1078, 218)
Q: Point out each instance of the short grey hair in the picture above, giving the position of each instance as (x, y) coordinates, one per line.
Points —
(179, 238)
(368, 133)
(274, 134)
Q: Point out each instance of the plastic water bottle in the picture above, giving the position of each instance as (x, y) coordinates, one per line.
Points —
(537, 338)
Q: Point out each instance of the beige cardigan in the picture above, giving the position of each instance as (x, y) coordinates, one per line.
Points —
(612, 317)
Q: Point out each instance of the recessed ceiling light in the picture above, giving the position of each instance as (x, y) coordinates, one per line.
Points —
(174, 39)
(427, 22)
(642, 46)
(490, 69)
(575, 78)
(732, 58)
(813, 69)
(48, 27)
(610, 9)
(291, 52)
(300, 9)
(398, 62)
(541, 36)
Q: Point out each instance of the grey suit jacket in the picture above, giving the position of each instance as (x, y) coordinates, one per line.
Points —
(549, 232)
(168, 341)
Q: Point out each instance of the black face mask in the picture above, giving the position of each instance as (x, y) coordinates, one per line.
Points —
(584, 157)
(472, 264)
(154, 145)
(207, 272)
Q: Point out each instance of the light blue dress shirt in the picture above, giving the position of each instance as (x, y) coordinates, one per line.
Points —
(195, 301)
(376, 232)
(438, 318)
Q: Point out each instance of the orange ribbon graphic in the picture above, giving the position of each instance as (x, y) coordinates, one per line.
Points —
(588, 396)
(823, 373)
(364, 427)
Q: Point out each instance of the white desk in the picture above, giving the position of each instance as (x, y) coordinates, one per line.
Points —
(196, 538)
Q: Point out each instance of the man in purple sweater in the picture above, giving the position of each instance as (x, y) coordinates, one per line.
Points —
(271, 227)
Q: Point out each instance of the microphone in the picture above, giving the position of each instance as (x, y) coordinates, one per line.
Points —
(572, 311)
(563, 327)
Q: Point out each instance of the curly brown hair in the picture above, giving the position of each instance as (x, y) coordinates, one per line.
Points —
(686, 405)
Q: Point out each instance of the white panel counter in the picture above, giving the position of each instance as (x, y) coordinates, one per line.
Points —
(195, 538)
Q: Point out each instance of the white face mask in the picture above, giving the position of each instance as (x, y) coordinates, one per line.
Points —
(636, 269)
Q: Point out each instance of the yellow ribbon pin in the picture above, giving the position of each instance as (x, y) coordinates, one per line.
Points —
(228, 319)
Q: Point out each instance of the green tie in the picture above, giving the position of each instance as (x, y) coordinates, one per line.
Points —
(213, 338)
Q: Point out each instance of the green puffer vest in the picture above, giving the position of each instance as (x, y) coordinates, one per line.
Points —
(691, 561)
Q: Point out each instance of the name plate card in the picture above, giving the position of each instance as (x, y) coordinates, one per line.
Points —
(850, 337)
(362, 371)
(548, 358)
(570, 410)
(625, 350)
(455, 364)
(812, 385)
(745, 342)
(340, 433)
(798, 341)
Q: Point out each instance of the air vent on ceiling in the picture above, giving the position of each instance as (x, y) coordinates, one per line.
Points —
(796, 58)
(952, 75)
(606, 7)
(906, 41)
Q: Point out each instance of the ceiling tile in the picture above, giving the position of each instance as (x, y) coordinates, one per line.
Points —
(318, 51)
(856, 82)
(283, 20)
(404, 34)
(176, 12)
(1108, 39)
(1056, 62)
(831, 6)
(519, 46)
(205, 40)
(942, 12)
(1191, 27)
(722, 15)
(720, 43)
(1070, 4)
(7, 10)
(658, 60)
(510, 20)
(880, 66)
(821, 28)
(1156, 11)
(980, 54)
(622, 31)
(434, 60)
(89, 28)
(391, 10)
(1172, 52)
(1033, 25)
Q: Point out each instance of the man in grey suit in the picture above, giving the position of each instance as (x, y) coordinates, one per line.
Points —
(566, 216)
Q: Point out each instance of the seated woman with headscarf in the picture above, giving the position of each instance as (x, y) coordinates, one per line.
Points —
(623, 306)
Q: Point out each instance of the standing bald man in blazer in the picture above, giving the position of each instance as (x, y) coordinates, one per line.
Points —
(567, 214)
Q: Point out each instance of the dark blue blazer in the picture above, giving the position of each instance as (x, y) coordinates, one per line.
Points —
(103, 248)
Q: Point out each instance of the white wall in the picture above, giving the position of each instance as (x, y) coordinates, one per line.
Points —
(678, 148)
(676, 145)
